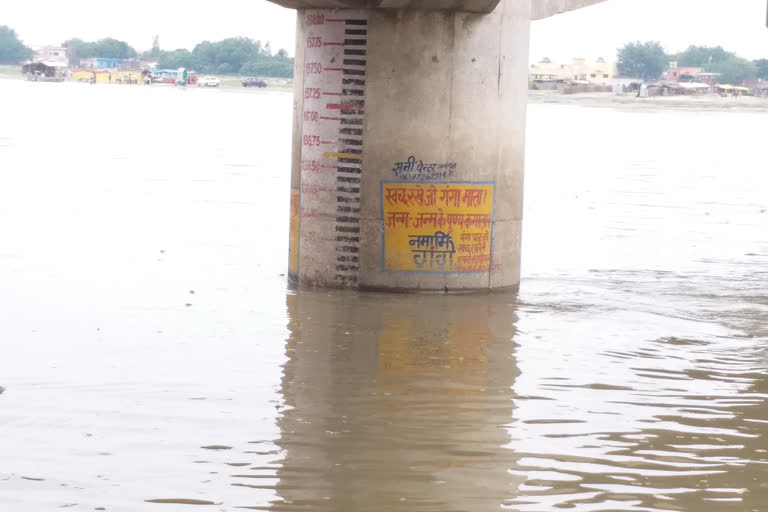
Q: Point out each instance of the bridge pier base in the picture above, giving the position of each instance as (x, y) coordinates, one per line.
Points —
(408, 152)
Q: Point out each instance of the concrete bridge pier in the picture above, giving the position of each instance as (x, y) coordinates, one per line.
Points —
(409, 134)
(408, 148)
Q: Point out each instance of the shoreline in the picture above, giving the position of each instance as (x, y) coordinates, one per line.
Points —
(227, 82)
(710, 102)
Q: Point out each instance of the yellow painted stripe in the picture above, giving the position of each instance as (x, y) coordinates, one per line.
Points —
(344, 155)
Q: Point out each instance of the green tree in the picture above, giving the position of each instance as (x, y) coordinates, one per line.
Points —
(701, 56)
(155, 52)
(73, 49)
(12, 50)
(733, 71)
(107, 48)
(642, 60)
(272, 68)
(178, 59)
(234, 52)
(762, 68)
(714, 59)
(113, 49)
(231, 56)
(207, 57)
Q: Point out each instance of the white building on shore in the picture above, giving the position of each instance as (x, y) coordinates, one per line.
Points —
(599, 72)
(51, 56)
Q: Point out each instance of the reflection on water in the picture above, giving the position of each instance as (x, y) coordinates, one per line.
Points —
(397, 403)
(152, 358)
(417, 403)
(641, 424)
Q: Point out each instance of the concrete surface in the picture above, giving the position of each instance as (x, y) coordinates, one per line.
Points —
(540, 8)
(546, 8)
(382, 84)
(484, 6)
(440, 86)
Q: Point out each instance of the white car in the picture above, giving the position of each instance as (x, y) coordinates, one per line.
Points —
(208, 81)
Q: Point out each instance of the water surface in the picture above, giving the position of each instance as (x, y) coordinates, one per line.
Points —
(154, 359)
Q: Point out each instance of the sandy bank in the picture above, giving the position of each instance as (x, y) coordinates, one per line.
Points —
(708, 102)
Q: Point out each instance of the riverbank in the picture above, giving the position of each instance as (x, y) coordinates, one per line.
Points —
(605, 100)
(707, 102)
(14, 72)
(10, 71)
(274, 83)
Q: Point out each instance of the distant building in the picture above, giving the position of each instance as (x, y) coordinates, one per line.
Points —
(626, 85)
(99, 63)
(757, 86)
(672, 88)
(676, 73)
(546, 70)
(708, 78)
(124, 64)
(599, 72)
(107, 76)
(131, 65)
(51, 56)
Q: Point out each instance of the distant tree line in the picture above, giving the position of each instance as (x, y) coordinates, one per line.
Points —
(107, 48)
(236, 55)
(245, 56)
(642, 60)
(12, 50)
(649, 61)
(233, 56)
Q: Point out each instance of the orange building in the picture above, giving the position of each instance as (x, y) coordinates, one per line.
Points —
(675, 74)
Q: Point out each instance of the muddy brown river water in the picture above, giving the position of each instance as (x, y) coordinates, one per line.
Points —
(153, 358)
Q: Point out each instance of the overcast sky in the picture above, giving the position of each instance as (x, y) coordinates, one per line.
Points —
(737, 25)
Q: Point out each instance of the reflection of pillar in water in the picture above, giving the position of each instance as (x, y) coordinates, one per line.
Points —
(754, 421)
(397, 403)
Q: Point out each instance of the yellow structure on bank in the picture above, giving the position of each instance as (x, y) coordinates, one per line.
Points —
(107, 76)
(600, 72)
(732, 90)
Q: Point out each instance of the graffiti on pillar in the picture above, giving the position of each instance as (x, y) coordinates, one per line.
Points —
(441, 228)
(293, 244)
(410, 170)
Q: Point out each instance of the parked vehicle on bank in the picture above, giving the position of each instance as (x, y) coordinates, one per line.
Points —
(254, 82)
(182, 76)
(208, 81)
